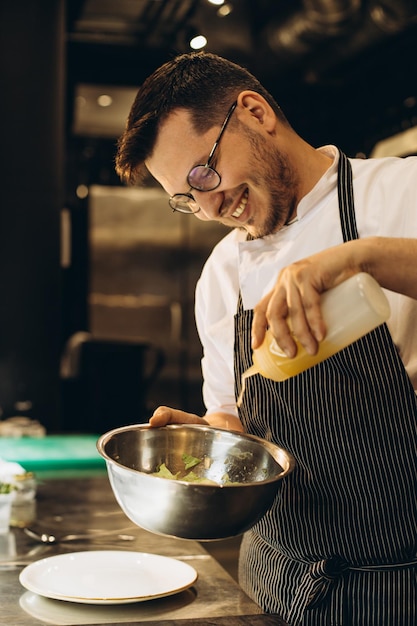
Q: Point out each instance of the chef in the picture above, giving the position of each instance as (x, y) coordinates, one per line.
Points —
(339, 545)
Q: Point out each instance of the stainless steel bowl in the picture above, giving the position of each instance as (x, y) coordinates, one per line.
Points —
(247, 471)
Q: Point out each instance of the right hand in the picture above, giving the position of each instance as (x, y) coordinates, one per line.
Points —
(164, 415)
(293, 307)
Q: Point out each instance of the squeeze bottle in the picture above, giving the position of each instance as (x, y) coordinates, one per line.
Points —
(350, 310)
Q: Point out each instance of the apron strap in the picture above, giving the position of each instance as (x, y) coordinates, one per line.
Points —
(346, 203)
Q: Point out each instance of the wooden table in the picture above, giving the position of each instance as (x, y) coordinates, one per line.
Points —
(75, 505)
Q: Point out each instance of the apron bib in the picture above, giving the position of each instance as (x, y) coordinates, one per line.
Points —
(338, 547)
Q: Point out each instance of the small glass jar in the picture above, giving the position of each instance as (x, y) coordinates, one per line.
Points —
(24, 503)
(6, 500)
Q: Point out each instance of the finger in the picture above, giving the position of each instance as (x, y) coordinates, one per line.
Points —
(284, 337)
(305, 317)
(314, 317)
(161, 416)
(259, 325)
(164, 415)
(273, 311)
(287, 318)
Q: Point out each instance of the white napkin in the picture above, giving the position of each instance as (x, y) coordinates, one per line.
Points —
(8, 471)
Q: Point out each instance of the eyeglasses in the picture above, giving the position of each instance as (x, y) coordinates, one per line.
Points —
(200, 177)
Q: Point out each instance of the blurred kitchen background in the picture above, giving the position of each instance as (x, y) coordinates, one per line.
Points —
(97, 280)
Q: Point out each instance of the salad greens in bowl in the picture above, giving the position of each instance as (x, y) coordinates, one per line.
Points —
(191, 481)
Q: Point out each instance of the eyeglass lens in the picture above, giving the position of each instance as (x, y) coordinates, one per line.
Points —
(184, 203)
(203, 178)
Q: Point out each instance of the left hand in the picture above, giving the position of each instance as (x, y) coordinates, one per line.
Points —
(164, 415)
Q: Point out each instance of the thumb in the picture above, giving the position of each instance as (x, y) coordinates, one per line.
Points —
(164, 415)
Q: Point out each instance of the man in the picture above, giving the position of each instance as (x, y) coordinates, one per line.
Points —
(339, 544)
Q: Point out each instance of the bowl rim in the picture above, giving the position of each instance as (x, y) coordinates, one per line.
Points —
(269, 445)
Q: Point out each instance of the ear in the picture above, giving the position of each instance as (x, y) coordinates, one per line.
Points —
(254, 108)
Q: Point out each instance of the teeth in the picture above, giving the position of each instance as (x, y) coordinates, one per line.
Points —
(242, 205)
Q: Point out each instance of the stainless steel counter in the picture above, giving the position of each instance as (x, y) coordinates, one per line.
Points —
(76, 505)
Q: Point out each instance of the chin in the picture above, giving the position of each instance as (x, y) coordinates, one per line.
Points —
(256, 231)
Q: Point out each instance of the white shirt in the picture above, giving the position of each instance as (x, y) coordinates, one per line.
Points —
(385, 197)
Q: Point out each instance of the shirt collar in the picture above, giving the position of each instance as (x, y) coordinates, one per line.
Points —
(326, 183)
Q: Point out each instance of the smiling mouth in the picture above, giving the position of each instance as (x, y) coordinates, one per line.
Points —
(242, 205)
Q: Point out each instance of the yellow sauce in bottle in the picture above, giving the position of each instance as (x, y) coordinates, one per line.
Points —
(350, 310)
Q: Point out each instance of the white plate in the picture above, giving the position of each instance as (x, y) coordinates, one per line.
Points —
(107, 577)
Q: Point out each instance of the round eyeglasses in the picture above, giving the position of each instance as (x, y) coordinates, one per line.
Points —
(200, 177)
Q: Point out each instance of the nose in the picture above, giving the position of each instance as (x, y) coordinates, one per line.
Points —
(210, 203)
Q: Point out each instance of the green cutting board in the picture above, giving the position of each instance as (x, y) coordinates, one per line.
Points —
(53, 452)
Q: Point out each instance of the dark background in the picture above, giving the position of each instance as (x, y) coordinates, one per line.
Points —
(345, 72)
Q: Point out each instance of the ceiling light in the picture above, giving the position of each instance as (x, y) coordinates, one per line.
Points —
(224, 10)
(410, 102)
(82, 191)
(216, 2)
(198, 42)
(81, 101)
(104, 100)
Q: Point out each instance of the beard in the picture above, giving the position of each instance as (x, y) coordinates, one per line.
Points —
(271, 171)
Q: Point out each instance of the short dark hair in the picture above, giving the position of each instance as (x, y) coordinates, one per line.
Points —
(203, 83)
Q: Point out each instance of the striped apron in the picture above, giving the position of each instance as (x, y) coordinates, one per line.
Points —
(338, 547)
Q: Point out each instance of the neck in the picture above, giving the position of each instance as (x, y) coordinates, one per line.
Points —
(314, 165)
